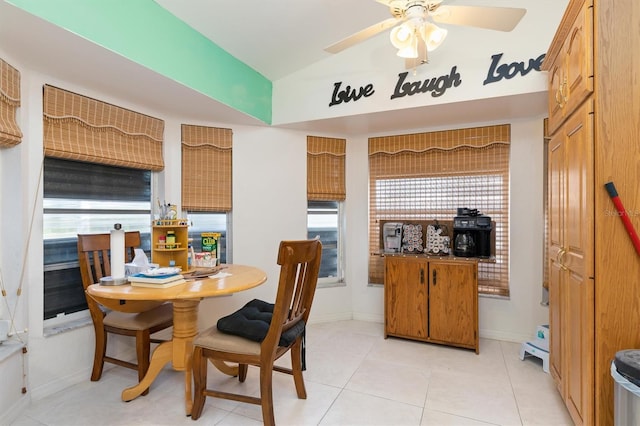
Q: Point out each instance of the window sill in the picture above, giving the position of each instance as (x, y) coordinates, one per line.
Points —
(331, 284)
(66, 326)
(9, 348)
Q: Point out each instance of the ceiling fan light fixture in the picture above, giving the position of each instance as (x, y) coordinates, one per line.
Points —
(432, 35)
(402, 35)
(411, 50)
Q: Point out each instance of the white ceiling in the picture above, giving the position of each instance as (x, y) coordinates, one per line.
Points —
(277, 37)
(274, 37)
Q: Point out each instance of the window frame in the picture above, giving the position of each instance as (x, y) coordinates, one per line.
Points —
(339, 279)
(225, 252)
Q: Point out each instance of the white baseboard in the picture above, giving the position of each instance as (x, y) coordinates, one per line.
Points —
(59, 384)
(504, 336)
(317, 319)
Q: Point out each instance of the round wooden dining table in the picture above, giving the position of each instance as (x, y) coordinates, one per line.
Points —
(185, 299)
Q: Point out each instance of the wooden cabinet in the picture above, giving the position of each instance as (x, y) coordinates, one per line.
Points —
(571, 284)
(571, 74)
(432, 300)
(594, 139)
(163, 253)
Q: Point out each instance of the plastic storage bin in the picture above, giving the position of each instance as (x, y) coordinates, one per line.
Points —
(626, 393)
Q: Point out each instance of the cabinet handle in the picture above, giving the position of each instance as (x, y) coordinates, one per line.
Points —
(558, 255)
(562, 265)
(434, 277)
(559, 97)
(421, 276)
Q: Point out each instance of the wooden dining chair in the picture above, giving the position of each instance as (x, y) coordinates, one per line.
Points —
(94, 258)
(263, 332)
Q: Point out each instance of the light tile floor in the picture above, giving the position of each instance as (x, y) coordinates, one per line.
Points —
(354, 377)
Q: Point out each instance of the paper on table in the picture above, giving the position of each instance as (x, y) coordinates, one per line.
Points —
(220, 274)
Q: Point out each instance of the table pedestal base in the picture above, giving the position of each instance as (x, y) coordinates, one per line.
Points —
(178, 351)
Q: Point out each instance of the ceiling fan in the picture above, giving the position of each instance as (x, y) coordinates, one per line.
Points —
(414, 31)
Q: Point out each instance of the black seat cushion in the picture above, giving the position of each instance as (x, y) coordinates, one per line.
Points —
(252, 321)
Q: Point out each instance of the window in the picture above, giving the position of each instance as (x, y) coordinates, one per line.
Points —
(200, 222)
(326, 192)
(324, 219)
(207, 154)
(428, 176)
(86, 198)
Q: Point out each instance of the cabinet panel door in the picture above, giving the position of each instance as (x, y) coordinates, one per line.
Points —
(577, 260)
(556, 194)
(453, 303)
(556, 96)
(579, 65)
(405, 293)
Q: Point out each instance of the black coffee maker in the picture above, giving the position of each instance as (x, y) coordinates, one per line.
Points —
(471, 234)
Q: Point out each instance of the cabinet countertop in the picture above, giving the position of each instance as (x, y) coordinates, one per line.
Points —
(491, 259)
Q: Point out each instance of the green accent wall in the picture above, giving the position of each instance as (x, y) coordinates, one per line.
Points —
(146, 33)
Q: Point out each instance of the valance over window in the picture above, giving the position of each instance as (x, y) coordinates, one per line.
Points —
(10, 133)
(206, 168)
(325, 169)
(84, 129)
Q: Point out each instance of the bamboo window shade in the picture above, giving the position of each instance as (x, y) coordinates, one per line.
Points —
(206, 168)
(325, 169)
(10, 134)
(428, 176)
(80, 128)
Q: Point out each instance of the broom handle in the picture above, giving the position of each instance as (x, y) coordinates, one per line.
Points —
(613, 193)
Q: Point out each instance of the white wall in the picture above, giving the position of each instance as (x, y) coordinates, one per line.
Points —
(515, 319)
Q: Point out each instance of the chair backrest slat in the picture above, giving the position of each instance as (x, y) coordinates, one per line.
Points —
(299, 267)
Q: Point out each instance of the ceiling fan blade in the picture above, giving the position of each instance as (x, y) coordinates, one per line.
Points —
(491, 18)
(362, 35)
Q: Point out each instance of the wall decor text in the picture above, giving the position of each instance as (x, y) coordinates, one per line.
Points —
(348, 94)
(498, 72)
(436, 85)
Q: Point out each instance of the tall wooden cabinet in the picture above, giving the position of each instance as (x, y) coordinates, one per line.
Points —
(594, 126)
(432, 299)
(571, 283)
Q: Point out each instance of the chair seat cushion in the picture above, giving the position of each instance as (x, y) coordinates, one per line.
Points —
(252, 322)
(142, 320)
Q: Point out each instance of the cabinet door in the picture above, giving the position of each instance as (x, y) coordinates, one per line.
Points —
(556, 194)
(578, 75)
(405, 297)
(453, 303)
(577, 262)
(571, 285)
(571, 72)
(556, 97)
